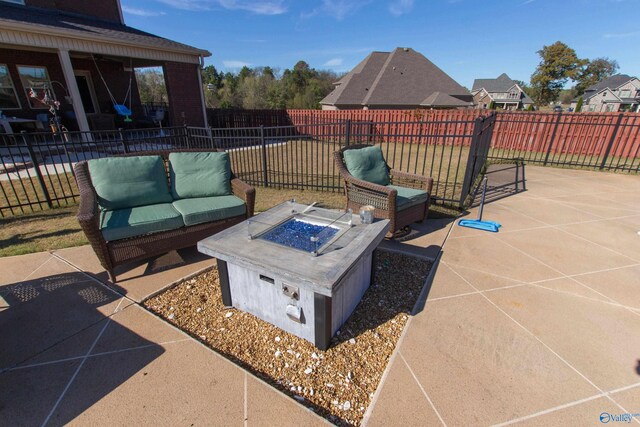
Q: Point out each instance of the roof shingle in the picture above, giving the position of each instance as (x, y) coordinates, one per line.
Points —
(402, 77)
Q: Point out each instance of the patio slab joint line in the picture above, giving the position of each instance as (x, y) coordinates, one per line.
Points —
(75, 374)
(563, 274)
(424, 392)
(567, 405)
(102, 353)
(566, 362)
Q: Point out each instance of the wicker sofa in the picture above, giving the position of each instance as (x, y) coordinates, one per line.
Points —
(134, 207)
(402, 198)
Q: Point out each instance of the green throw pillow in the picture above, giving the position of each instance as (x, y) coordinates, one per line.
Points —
(127, 182)
(367, 164)
(204, 174)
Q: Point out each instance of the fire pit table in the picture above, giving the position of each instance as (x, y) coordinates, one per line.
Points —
(301, 268)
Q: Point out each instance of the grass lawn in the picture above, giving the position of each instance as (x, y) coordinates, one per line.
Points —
(57, 228)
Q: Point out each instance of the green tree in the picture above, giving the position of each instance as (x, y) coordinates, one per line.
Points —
(595, 71)
(579, 105)
(559, 64)
(211, 76)
(151, 85)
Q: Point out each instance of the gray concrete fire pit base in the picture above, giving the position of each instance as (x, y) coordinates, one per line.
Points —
(306, 295)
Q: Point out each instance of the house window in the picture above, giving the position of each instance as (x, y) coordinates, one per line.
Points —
(610, 107)
(625, 93)
(592, 108)
(8, 95)
(36, 78)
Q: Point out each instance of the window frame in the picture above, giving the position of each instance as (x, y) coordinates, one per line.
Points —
(13, 86)
(30, 100)
(623, 91)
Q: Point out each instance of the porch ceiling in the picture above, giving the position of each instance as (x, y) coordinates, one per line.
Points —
(38, 28)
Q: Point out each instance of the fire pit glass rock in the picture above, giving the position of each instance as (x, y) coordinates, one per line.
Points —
(301, 230)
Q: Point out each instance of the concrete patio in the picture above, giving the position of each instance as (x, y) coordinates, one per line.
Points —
(538, 324)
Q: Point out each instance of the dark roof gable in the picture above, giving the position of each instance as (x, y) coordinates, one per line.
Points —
(611, 83)
(500, 84)
(402, 77)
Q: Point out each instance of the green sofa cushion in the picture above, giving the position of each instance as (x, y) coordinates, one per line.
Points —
(367, 164)
(130, 222)
(203, 174)
(408, 197)
(127, 182)
(207, 209)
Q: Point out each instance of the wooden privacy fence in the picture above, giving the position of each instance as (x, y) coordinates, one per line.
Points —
(598, 140)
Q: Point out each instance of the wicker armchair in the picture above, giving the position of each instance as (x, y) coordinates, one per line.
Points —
(114, 253)
(384, 199)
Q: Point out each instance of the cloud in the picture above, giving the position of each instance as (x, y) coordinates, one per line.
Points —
(621, 35)
(400, 7)
(339, 9)
(271, 7)
(141, 12)
(274, 7)
(527, 2)
(190, 5)
(334, 62)
(232, 63)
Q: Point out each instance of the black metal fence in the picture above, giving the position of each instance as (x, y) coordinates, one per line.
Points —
(604, 141)
(36, 169)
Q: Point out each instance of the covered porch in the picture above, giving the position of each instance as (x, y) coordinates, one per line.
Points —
(88, 66)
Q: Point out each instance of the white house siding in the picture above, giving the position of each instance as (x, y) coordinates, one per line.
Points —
(600, 101)
(632, 86)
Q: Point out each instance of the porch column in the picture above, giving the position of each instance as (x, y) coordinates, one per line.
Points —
(74, 92)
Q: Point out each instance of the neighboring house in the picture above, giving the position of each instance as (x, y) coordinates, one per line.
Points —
(502, 92)
(65, 46)
(402, 79)
(616, 93)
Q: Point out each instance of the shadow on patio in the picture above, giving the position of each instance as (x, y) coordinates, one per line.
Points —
(57, 335)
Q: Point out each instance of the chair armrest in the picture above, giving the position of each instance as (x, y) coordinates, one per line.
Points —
(246, 192)
(412, 180)
(88, 212)
(368, 193)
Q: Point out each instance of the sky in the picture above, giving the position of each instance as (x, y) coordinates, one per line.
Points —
(467, 39)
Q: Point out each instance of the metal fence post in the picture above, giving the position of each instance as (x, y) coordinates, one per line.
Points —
(611, 141)
(553, 137)
(265, 175)
(125, 146)
(36, 166)
(186, 135)
(211, 141)
(347, 136)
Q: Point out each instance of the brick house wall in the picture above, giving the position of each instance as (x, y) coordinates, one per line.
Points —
(103, 9)
(184, 93)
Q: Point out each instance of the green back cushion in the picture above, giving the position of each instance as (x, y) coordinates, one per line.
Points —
(126, 182)
(199, 175)
(367, 164)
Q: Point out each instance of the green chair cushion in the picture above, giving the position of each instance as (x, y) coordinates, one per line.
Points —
(208, 209)
(130, 222)
(127, 182)
(202, 174)
(408, 197)
(367, 164)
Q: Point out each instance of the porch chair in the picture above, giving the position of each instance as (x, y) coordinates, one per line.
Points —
(401, 197)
